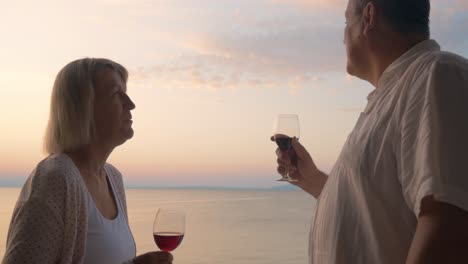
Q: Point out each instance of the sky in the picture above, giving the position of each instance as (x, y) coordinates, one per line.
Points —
(208, 78)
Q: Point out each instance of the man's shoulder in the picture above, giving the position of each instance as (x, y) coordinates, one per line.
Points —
(437, 59)
(436, 63)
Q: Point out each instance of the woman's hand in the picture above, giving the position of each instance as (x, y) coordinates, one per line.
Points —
(155, 257)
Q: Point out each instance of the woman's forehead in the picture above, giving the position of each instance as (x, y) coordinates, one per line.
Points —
(107, 79)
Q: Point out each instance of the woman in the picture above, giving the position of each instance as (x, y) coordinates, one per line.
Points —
(72, 208)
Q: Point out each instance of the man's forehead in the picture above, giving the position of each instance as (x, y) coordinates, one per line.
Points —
(350, 7)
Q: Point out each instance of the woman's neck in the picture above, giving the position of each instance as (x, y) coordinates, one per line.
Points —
(90, 161)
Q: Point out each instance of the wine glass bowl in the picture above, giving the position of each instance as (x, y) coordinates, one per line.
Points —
(168, 229)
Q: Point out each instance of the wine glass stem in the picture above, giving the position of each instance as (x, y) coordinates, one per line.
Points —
(288, 176)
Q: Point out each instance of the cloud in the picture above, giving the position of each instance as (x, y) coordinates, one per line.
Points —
(448, 26)
(461, 4)
(293, 49)
(293, 58)
(307, 48)
(313, 4)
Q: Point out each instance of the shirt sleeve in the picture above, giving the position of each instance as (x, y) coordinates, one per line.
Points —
(433, 148)
(36, 230)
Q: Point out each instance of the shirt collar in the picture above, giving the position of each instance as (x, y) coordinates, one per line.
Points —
(399, 66)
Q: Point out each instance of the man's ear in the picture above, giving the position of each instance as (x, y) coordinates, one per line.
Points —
(369, 18)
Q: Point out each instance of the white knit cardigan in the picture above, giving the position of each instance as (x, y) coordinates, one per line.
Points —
(50, 219)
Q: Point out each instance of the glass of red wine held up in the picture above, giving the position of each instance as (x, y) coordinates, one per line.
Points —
(286, 127)
(168, 229)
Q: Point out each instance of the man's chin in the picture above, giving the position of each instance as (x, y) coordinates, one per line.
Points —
(353, 72)
(350, 70)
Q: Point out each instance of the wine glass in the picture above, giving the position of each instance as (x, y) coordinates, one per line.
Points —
(286, 127)
(168, 229)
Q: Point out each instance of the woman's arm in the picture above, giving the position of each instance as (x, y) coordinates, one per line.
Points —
(35, 234)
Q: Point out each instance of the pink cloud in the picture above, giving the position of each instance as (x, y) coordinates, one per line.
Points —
(461, 4)
(291, 57)
(283, 50)
(314, 3)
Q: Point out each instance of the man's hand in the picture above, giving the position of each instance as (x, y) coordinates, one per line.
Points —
(304, 170)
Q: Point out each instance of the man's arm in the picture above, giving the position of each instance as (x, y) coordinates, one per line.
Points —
(315, 184)
(441, 234)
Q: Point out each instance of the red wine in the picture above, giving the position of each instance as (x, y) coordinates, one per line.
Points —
(283, 142)
(168, 241)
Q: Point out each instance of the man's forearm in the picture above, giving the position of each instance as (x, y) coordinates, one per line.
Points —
(427, 249)
(315, 186)
(441, 235)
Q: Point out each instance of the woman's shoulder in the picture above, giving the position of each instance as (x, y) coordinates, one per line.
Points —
(113, 172)
(52, 179)
(56, 169)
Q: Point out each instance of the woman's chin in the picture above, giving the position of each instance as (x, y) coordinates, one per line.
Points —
(130, 133)
(126, 135)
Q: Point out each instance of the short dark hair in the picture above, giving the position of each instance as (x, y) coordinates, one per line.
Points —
(405, 16)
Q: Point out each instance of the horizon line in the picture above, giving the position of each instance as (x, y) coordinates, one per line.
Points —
(187, 187)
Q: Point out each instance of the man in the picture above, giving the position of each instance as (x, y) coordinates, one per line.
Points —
(398, 192)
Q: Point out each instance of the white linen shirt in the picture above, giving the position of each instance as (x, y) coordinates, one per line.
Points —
(410, 142)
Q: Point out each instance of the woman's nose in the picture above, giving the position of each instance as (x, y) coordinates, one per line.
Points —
(129, 103)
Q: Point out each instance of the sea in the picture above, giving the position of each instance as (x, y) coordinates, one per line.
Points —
(222, 226)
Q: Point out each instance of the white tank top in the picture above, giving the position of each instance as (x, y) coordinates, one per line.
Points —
(108, 241)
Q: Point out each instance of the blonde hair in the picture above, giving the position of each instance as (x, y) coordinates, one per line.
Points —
(71, 117)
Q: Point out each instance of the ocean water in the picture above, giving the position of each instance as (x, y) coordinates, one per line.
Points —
(222, 226)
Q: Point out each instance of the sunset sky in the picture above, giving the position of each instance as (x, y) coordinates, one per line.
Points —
(208, 78)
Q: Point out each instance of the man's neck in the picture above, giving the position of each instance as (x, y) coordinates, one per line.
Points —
(388, 50)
